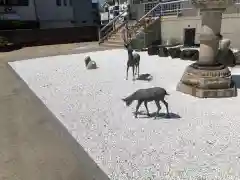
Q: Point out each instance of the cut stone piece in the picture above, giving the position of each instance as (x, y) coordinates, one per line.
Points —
(153, 50)
(226, 57)
(174, 52)
(189, 54)
(163, 52)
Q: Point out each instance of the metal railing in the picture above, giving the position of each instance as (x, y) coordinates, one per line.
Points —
(155, 11)
(167, 8)
(111, 27)
(237, 1)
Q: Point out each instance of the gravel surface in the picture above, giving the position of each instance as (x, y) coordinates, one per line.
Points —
(200, 141)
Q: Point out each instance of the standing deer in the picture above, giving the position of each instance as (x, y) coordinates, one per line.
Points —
(133, 61)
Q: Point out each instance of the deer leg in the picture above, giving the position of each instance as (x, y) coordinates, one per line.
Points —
(166, 105)
(138, 69)
(133, 69)
(158, 108)
(137, 107)
(127, 73)
(145, 103)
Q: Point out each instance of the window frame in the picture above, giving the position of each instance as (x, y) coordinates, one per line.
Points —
(58, 2)
(18, 3)
(65, 3)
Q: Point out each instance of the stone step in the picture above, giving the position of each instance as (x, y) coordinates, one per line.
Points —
(114, 41)
(117, 35)
(109, 44)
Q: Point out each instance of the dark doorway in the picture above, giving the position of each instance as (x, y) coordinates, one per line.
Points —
(189, 36)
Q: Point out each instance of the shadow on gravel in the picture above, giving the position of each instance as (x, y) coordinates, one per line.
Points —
(159, 116)
(145, 77)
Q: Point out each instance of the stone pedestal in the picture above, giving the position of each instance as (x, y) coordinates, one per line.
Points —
(206, 78)
(207, 82)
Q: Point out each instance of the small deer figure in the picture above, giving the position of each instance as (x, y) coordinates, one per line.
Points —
(147, 95)
(133, 61)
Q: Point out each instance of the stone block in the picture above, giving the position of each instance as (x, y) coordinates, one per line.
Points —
(237, 56)
(207, 93)
(195, 57)
(163, 52)
(226, 57)
(174, 52)
(153, 50)
(189, 54)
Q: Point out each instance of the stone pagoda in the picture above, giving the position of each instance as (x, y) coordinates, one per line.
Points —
(206, 78)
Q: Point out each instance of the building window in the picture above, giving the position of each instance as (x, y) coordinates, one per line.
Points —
(65, 2)
(95, 5)
(2, 2)
(14, 2)
(58, 2)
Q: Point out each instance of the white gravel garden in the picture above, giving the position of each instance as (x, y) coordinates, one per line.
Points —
(200, 141)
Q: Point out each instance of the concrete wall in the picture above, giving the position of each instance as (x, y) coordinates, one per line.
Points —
(173, 27)
(148, 36)
(25, 12)
(82, 12)
(137, 11)
(52, 16)
(51, 36)
(47, 10)
(153, 34)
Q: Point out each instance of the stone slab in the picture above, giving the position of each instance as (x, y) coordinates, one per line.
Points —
(207, 93)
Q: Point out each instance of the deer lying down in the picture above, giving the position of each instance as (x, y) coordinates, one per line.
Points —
(89, 63)
(146, 95)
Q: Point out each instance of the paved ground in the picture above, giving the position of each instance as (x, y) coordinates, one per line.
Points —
(32, 146)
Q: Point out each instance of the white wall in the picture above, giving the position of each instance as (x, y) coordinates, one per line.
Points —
(173, 27)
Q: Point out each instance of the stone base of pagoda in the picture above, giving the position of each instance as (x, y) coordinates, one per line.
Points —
(212, 81)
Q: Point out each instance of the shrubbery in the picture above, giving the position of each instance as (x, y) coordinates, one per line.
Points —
(3, 41)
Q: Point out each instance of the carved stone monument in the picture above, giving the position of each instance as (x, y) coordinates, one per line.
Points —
(206, 78)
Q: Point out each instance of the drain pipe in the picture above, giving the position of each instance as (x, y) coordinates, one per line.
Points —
(36, 12)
